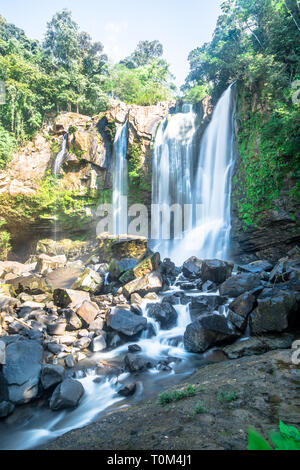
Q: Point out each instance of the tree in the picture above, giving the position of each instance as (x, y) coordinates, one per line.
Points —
(144, 53)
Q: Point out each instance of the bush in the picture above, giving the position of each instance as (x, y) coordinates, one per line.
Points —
(288, 438)
(176, 395)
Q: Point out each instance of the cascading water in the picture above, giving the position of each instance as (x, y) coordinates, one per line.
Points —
(206, 183)
(120, 183)
(58, 162)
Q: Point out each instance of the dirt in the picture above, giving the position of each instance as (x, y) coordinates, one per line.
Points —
(261, 390)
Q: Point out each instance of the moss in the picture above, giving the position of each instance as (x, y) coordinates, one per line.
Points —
(139, 181)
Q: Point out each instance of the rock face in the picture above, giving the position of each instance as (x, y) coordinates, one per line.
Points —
(216, 271)
(67, 395)
(165, 314)
(125, 322)
(120, 247)
(238, 285)
(89, 281)
(47, 263)
(243, 305)
(206, 332)
(22, 370)
(274, 311)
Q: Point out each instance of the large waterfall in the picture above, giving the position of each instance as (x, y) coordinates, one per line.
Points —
(203, 183)
(60, 157)
(120, 183)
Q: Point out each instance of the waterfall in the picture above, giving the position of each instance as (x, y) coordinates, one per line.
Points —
(60, 157)
(120, 183)
(202, 182)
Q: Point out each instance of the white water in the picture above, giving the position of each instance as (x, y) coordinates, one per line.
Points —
(120, 183)
(45, 425)
(60, 157)
(204, 181)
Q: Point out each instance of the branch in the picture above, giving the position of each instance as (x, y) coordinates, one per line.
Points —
(256, 37)
(290, 12)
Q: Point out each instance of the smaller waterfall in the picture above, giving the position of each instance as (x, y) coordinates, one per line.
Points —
(120, 183)
(61, 156)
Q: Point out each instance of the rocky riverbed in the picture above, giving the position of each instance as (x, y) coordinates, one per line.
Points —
(112, 314)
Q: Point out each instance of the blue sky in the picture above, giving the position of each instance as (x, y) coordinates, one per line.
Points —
(181, 25)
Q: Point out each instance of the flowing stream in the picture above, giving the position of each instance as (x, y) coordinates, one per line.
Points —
(58, 162)
(202, 182)
(120, 183)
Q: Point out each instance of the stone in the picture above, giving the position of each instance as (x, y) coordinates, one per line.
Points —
(7, 290)
(208, 286)
(6, 409)
(120, 247)
(73, 321)
(89, 281)
(150, 283)
(71, 248)
(57, 328)
(46, 264)
(117, 268)
(243, 305)
(55, 348)
(6, 302)
(208, 331)
(69, 361)
(2, 353)
(83, 343)
(167, 267)
(203, 304)
(125, 322)
(152, 297)
(22, 370)
(69, 298)
(146, 266)
(274, 311)
(67, 395)
(256, 267)
(216, 271)
(33, 284)
(98, 344)
(192, 268)
(51, 375)
(238, 321)
(138, 363)
(88, 311)
(136, 299)
(128, 390)
(239, 284)
(164, 313)
(258, 345)
(134, 348)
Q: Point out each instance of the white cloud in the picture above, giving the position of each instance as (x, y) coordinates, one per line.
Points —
(113, 39)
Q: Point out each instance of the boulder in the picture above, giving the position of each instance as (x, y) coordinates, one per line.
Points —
(83, 343)
(71, 248)
(128, 390)
(46, 264)
(192, 268)
(204, 304)
(150, 283)
(89, 281)
(138, 363)
(73, 321)
(16, 268)
(168, 268)
(238, 321)
(6, 409)
(244, 304)
(164, 313)
(56, 328)
(118, 268)
(69, 298)
(216, 271)
(22, 370)
(98, 344)
(238, 285)
(146, 266)
(258, 345)
(6, 302)
(2, 353)
(66, 395)
(274, 311)
(7, 290)
(208, 331)
(136, 299)
(32, 285)
(126, 322)
(256, 267)
(51, 375)
(120, 247)
(88, 311)
(134, 348)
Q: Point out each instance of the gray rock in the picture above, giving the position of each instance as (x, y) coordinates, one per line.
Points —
(51, 375)
(97, 324)
(66, 395)
(6, 409)
(83, 343)
(164, 313)
(57, 328)
(192, 268)
(134, 348)
(2, 352)
(244, 304)
(258, 345)
(238, 285)
(126, 322)
(55, 348)
(128, 390)
(73, 321)
(150, 283)
(203, 304)
(22, 370)
(256, 267)
(216, 271)
(208, 331)
(98, 344)
(138, 363)
(69, 361)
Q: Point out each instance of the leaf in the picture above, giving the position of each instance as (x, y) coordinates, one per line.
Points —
(257, 442)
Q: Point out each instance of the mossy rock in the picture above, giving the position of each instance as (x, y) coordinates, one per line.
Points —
(8, 290)
(71, 248)
(152, 263)
(117, 268)
(127, 277)
(33, 285)
(120, 247)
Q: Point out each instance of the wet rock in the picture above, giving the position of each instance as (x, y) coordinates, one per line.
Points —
(73, 321)
(128, 390)
(98, 344)
(274, 312)
(22, 370)
(216, 271)
(168, 268)
(238, 321)
(125, 322)
(55, 348)
(244, 304)
(256, 267)
(89, 281)
(134, 348)
(207, 332)
(238, 285)
(120, 247)
(204, 304)
(150, 283)
(6, 302)
(57, 328)
(70, 361)
(72, 249)
(88, 311)
(208, 286)
(67, 395)
(258, 345)
(83, 343)
(164, 313)
(148, 265)
(152, 297)
(6, 409)
(136, 309)
(187, 285)
(138, 363)
(65, 298)
(136, 299)
(46, 264)
(117, 268)
(2, 353)
(51, 375)
(192, 268)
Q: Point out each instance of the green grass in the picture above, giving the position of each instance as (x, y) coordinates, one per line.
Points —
(227, 397)
(172, 396)
(200, 409)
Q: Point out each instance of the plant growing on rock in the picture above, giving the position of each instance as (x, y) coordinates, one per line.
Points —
(288, 438)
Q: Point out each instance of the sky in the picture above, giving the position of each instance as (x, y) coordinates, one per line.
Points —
(180, 25)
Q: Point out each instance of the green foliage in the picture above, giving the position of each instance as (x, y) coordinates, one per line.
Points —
(200, 409)
(144, 53)
(227, 397)
(139, 181)
(196, 94)
(288, 438)
(7, 144)
(5, 245)
(176, 395)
